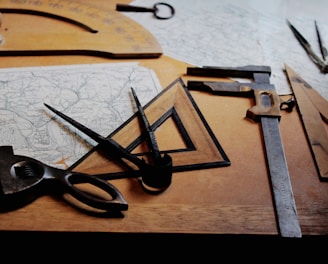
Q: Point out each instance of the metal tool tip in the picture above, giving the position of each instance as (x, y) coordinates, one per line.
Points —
(48, 106)
(133, 91)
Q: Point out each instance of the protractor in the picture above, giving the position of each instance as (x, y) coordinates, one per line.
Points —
(71, 27)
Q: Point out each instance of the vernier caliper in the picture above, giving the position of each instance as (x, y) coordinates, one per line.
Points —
(267, 112)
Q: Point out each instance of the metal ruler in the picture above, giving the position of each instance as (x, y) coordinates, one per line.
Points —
(280, 180)
(267, 112)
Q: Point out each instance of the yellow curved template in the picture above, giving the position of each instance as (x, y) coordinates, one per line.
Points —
(50, 27)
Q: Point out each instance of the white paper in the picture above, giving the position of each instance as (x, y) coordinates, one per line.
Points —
(243, 32)
(96, 95)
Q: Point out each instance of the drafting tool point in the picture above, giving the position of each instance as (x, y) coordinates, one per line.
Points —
(321, 63)
(93, 34)
(313, 109)
(267, 112)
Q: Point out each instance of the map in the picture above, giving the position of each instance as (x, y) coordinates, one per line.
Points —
(230, 33)
(96, 95)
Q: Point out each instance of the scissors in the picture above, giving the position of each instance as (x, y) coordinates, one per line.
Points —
(23, 179)
(320, 62)
(158, 10)
(155, 177)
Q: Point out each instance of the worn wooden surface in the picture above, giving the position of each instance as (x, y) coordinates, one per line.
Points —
(228, 200)
(90, 30)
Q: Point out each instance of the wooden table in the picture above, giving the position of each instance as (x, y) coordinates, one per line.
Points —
(228, 200)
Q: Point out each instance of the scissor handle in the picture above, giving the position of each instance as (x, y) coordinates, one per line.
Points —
(70, 180)
(156, 9)
(23, 179)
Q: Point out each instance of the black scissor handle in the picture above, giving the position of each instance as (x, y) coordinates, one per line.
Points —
(70, 180)
(156, 9)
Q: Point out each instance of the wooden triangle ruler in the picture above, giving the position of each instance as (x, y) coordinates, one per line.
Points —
(181, 131)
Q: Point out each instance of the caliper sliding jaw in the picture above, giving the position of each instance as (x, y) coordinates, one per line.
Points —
(267, 112)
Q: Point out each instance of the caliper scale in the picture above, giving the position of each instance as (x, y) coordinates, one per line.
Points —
(75, 28)
(267, 112)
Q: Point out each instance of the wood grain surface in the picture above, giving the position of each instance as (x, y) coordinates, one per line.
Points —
(228, 200)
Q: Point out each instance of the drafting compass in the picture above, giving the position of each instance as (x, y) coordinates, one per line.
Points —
(172, 114)
(320, 62)
(154, 177)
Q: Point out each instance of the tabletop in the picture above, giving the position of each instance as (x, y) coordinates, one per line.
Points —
(233, 199)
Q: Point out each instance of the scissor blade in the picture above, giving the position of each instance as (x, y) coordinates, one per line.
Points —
(313, 109)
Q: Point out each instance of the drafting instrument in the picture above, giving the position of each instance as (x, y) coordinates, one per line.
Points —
(158, 9)
(267, 112)
(163, 164)
(313, 109)
(157, 178)
(23, 179)
(173, 113)
(322, 65)
(322, 47)
(74, 28)
(174, 109)
(151, 140)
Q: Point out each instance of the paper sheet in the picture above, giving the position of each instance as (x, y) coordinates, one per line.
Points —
(242, 32)
(96, 95)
